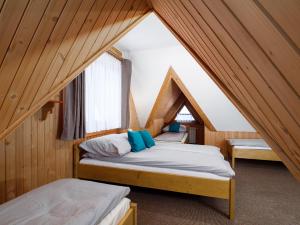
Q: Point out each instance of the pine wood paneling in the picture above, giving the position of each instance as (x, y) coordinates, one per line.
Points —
(45, 44)
(134, 120)
(250, 49)
(32, 155)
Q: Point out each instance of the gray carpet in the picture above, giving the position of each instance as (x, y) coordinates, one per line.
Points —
(266, 194)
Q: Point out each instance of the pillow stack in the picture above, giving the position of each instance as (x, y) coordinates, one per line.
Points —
(140, 140)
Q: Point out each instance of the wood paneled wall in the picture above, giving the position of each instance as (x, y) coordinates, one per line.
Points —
(218, 138)
(46, 44)
(251, 50)
(32, 155)
(134, 120)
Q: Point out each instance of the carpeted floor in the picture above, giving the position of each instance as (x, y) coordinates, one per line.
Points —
(266, 194)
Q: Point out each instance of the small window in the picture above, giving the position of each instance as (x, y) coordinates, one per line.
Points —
(184, 115)
(103, 94)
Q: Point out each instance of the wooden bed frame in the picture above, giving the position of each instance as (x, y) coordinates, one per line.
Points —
(224, 189)
(130, 218)
(245, 153)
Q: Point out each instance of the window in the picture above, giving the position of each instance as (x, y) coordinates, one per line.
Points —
(103, 94)
(184, 115)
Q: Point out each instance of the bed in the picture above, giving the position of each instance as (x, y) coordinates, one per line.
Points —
(250, 149)
(180, 137)
(71, 201)
(163, 174)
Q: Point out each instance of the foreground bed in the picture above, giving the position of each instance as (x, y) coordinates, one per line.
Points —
(178, 180)
(250, 149)
(71, 201)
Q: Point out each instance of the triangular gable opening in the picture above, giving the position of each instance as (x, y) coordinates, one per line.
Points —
(172, 98)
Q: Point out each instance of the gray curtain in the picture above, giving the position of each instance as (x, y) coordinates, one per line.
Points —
(126, 79)
(74, 109)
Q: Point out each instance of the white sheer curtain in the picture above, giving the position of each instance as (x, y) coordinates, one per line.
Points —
(103, 94)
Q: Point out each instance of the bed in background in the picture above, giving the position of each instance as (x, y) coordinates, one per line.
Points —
(180, 137)
(71, 201)
(250, 149)
(165, 178)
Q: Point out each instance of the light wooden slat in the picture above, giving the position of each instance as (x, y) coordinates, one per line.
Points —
(19, 45)
(109, 23)
(34, 150)
(79, 42)
(93, 35)
(19, 161)
(284, 56)
(63, 50)
(286, 17)
(30, 59)
(2, 172)
(27, 155)
(10, 17)
(41, 175)
(10, 171)
(47, 56)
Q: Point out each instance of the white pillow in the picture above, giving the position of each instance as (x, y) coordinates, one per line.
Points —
(108, 145)
(182, 128)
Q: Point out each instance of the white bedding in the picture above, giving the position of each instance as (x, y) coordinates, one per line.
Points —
(96, 162)
(170, 136)
(115, 216)
(66, 201)
(252, 147)
(188, 157)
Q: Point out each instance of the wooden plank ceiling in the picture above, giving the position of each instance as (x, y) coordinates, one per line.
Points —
(45, 43)
(173, 95)
(251, 50)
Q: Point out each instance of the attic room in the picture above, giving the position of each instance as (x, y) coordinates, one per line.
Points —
(149, 112)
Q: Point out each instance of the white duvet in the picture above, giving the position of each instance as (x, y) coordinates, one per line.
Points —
(199, 158)
(66, 201)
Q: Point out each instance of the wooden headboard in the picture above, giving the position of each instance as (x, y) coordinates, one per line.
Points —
(77, 152)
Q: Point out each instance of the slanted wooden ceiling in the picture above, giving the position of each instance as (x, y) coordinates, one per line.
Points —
(173, 95)
(44, 44)
(251, 50)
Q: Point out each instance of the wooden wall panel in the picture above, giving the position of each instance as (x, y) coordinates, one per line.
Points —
(32, 155)
(45, 44)
(134, 120)
(250, 49)
(218, 138)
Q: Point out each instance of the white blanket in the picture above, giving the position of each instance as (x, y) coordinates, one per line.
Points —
(201, 158)
(66, 201)
(170, 137)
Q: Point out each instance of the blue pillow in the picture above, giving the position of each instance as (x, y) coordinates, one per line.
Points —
(136, 141)
(174, 127)
(148, 140)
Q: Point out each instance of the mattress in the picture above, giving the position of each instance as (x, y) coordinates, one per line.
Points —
(252, 147)
(66, 201)
(188, 157)
(248, 142)
(115, 216)
(171, 137)
(96, 162)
